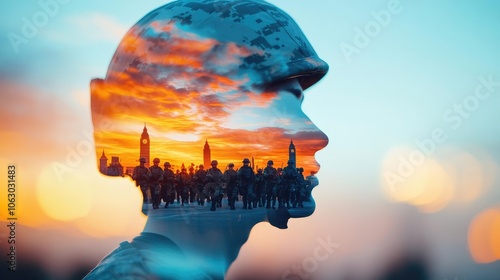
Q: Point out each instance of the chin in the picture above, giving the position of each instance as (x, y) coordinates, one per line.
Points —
(279, 217)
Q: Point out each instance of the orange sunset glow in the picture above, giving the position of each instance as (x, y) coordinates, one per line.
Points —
(197, 92)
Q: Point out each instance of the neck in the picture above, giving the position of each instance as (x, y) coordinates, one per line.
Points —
(210, 240)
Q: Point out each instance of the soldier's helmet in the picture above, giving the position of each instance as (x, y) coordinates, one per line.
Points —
(246, 160)
(214, 162)
(142, 160)
(259, 170)
(156, 160)
(166, 164)
(201, 166)
(231, 165)
(270, 162)
(301, 169)
(243, 38)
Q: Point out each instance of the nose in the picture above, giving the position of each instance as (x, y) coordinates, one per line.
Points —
(320, 142)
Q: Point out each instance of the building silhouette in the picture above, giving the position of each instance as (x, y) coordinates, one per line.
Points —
(292, 153)
(115, 168)
(103, 164)
(207, 158)
(145, 146)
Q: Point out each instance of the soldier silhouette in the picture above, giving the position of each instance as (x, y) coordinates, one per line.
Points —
(155, 179)
(141, 176)
(200, 61)
(246, 179)
(230, 179)
(167, 187)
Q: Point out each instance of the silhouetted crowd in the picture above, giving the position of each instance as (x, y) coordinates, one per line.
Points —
(261, 189)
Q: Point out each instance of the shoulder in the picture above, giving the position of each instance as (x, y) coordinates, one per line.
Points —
(148, 256)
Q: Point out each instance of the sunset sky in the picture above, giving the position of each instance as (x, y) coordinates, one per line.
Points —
(405, 80)
(189, 85)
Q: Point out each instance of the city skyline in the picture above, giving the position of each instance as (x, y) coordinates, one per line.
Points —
(205, 155)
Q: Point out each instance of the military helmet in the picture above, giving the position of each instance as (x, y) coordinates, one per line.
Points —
(214, 162)
(246, 160)
(259, 170)
(231, 165)
(201, 166)
(263, 41)
(166, 164)
(270, 162)
(156, 160)
(142, 159)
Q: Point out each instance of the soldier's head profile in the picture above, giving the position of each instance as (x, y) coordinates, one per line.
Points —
(201, 167)
(156, 161)
(198, 69)
(167, 165)
(230, 165)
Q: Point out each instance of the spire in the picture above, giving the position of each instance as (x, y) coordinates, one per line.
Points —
(291, 141)
(145, 129)
(103, 155)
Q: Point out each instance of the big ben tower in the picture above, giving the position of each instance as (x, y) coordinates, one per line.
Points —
(206, 155)
(144, 146)
(292, 154)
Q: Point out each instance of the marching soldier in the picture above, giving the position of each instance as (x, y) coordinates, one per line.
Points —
(192, 192)
(167, 188)
(270, 180)
(259, 186)
(200, 182)
(155, 182)
(214, 185)
(279, 187)
(301, 188)
(289, 175)
(230, 178)
(183, 182)
(178, 187)
(141, 177)
(246, 179)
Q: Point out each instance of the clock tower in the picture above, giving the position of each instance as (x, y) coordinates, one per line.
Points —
(145, 145)
(103, 164)
(292, 154)
(207, 158)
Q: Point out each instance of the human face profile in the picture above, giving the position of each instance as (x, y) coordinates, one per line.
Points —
(190, 93)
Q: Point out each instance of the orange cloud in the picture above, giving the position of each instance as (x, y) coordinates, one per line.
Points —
(185, 85)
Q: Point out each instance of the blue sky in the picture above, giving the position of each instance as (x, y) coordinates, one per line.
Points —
(394, 91)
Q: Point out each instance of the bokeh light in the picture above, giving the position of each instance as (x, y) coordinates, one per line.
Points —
(484, 236)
